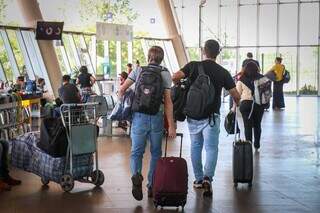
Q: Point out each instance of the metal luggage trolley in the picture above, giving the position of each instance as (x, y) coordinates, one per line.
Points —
(80, 122)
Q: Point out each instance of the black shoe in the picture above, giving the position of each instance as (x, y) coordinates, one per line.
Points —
(207, 188)
(198, 184)
(137, 186)
(150, 192)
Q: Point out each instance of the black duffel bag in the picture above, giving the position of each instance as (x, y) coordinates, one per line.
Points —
(53, 137)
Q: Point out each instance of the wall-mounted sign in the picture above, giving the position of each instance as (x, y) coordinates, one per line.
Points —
(114, 32)
(49, 30)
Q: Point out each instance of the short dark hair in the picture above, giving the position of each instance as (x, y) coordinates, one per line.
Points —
(137, 62)
(129, 65)
(43, 102)
(279, 59)
(211, 48)
(124, 75)
(58, 102)
(249, 55)
(83, 69)
(66, 78)
(155, 54)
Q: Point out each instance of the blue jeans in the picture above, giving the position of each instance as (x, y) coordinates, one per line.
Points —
(209, 137)
(146, 127)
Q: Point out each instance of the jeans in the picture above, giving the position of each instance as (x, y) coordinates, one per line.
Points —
(146, 127)
(254, 121)
(209, 137)
(4, 148)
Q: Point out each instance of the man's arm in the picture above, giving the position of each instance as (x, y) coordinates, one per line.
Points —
(168, 110)
(235, 95)
(176, 77)
(125, 86)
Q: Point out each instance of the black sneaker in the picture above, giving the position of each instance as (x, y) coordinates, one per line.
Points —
(150, 192)
(198, 184)
(137, 186)
(207, 188)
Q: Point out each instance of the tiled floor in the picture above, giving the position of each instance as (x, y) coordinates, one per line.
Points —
(286, 173)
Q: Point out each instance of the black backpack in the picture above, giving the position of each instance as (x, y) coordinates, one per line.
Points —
(179, 94)
(149, 90)
(229, 123)
(200, 97)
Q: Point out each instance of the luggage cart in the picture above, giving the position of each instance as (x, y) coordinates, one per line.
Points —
(80, 122)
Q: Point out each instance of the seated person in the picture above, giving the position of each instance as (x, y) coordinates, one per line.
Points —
(40, 85)
(6, 181)
(20, 84)
(46, 109)
(86, 81)
(68, 92)
(56, 110)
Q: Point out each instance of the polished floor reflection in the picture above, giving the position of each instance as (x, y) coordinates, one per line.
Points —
(286, 173)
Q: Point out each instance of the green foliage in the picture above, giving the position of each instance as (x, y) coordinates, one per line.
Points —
(193, 53)
(308, 90)
(98, 10)
(3, 6)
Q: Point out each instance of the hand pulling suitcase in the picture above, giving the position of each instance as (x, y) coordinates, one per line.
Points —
(242, 161)
(170, 181)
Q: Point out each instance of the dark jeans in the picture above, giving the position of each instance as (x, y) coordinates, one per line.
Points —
(4, 148)
(254, 122)
(278, 98)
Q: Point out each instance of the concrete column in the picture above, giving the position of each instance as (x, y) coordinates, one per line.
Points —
(31, 13)
(172, 31)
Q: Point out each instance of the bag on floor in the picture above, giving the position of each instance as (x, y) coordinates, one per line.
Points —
(242, 162)
(200, 96)
(149, 90)
(170, 180)
(262, 90)
(53, 137)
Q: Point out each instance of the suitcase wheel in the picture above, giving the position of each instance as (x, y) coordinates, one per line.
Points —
(250, 184)
(97, 181)
(67, 182)
(44, 181)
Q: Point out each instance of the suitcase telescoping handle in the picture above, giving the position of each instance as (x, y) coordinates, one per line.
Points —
(178, 135)
(236, 125)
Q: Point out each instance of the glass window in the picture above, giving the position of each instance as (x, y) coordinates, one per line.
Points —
(138, 53)
(113, 58)
(288, 24)
(63, 64)
(268, 1)
(209, 21)
(70, 54)
(229, 26)
(171, 55)
(268, 25)
(309, 17)
(308, 71)
(248, 1)
(5, 62)
(266, 58)
(227, 58)
(248, 23)
(194, 53)
(100, 58)
(228, 2)
(289, 55)
(16, 49)
(124, 56)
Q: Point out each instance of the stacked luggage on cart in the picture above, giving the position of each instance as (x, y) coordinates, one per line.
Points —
(29, 153)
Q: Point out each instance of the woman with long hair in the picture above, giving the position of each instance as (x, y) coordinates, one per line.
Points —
(252, 113)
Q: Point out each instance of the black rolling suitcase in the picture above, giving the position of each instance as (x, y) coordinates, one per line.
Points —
(242, 161)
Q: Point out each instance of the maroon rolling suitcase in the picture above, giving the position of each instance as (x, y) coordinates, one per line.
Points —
(170, 180)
